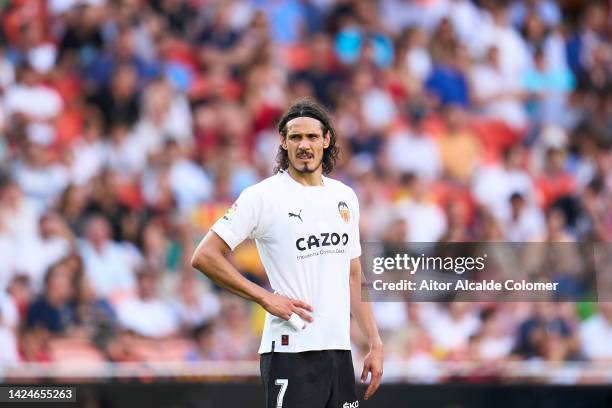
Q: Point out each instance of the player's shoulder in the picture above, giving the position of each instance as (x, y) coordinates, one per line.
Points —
(340, 187)
(264, 187)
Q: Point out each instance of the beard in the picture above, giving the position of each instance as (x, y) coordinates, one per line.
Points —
(304, 169)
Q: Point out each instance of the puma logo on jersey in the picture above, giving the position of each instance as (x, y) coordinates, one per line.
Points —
(351, 404)
(298, 215)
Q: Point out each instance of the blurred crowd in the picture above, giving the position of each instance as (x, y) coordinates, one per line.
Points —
(128, 127)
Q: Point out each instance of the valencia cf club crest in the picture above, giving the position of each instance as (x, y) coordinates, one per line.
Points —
(230, 211)
(344, 211)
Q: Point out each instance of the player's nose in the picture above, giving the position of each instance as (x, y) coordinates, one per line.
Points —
(304, 145)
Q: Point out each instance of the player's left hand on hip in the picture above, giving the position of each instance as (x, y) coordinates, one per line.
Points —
(373, 364)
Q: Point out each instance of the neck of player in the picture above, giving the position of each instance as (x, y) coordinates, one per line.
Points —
(307, 179)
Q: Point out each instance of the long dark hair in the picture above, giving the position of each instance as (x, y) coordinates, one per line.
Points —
(308, 108)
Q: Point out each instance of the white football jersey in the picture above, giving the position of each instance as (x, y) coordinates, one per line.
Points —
(306, 237)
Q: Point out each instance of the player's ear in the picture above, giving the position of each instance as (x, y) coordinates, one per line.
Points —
(283, 141)
(326, 140)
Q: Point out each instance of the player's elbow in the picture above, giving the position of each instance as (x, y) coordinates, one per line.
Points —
(195, 260)
(208, 255)
(201, 258)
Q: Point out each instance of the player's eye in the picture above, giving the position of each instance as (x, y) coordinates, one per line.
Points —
(313, 136)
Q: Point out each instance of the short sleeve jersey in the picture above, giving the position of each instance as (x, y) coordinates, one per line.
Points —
(306, 237)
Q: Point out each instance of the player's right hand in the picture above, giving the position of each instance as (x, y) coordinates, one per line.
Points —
(283, 307)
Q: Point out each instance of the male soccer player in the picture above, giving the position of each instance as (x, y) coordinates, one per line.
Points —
(306, 228)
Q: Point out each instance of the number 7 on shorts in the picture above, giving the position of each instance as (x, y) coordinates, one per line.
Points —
(284, 383)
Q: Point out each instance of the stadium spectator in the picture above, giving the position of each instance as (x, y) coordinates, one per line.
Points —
(29, 101)
(460, 151)
(426, 220)
(494, 185)
(547, 86)
(147, 302)
(34, 345)
(71, 207)
(593, 220)
(498, 93)
(494, 342)
(123, 152)
(414, 57)
(89, 154)
(53, 242)
(235, 338)
(452, 327)
(54, 310)
(374, 206)
(547, 335)
(207, 348)
(20, 291)
(193, 306)
(414, 151)
(40, 177)
(10, 314)
(547, 10)
(106, 262)
(95, 316)
(514, 56)
(554, 182)
(447, 82)
(525, 220)
(8, 341)
(188, 183)
(596, 334)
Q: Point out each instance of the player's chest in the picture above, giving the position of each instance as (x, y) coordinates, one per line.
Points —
(326, 218)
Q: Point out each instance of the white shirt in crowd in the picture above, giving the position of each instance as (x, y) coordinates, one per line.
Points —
(190, 183)
(108, 270)
(21, 222)
(464, 16)
(306, 238)
(126, 157)
(8, 347)
(529, 224)
(596, 338)
(207, 307)
(88, 160)
(426, 221)
(42, 184)
(176, 124)
(9, 316)
(513, 53)
(452, 334)
(48, 251)
(378, 108)
(148, 318)
(419, 64)
(488, 82)
(6, 260)
(408, 153)
(494, 185)
(37, 102)
(390, 316)
(491, 348)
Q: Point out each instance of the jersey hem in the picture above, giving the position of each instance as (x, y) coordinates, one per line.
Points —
(278, 349)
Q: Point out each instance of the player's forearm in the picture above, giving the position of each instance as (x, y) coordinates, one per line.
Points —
(214, 265)
(365, 319)
(362, 311)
